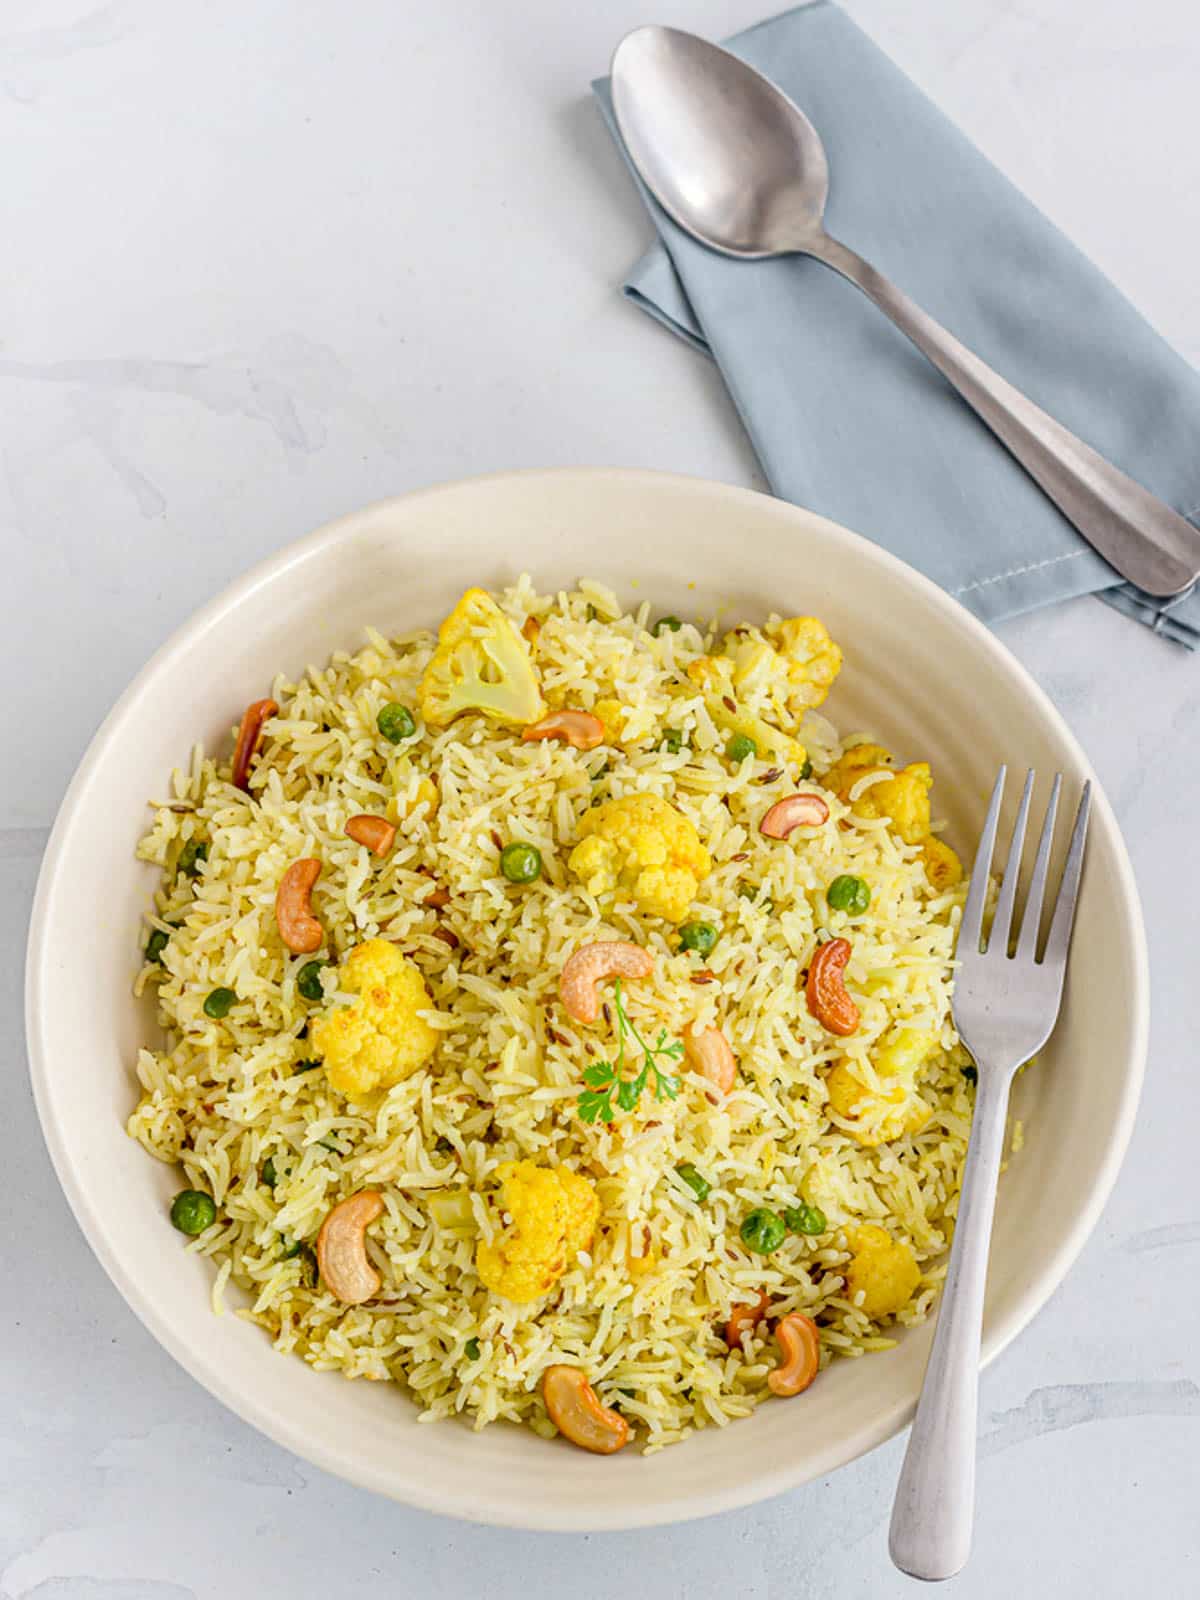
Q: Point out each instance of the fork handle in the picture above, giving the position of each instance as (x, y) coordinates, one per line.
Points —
(935, 1498)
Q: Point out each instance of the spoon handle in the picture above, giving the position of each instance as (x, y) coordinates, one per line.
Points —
(1147, 542)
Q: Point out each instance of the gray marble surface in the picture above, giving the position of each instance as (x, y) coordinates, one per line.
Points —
(266, 260)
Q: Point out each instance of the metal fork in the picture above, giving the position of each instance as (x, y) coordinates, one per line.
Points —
(1006, 1002)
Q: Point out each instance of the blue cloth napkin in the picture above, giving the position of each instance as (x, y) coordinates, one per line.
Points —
(845, 415)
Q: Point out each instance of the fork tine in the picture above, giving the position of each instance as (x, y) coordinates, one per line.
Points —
(1027, 944)
(1002, 922)
(1058, 940)
(971, 928)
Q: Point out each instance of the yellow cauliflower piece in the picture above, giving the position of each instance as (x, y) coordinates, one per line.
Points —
(714, 676)
(403, 804)
(942, 866)
(903, 798)
(902, 1053)
(877, 1118)
(643, 845)
(481, 664)
(777, 675)
(554, 1214)
(854, 764)
(612, 715)
(883, 1268)
(380, 1039)
(880, 1116)
(812, 659)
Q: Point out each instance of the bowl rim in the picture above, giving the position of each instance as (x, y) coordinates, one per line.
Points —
(419, 1492)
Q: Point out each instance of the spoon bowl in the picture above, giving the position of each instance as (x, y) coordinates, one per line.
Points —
(725, 152)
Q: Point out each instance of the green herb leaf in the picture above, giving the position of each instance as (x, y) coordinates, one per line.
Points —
(606, 1080)
(627, 1093)
(593, 1105)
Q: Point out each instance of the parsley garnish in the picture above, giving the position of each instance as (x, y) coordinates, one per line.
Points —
(607, 1081)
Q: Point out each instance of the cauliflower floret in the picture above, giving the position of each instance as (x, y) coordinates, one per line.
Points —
(877, 1118)
(942, 866)
(880, 1116)
(813, 661)
(854, 764)
(713, 675)
(643, 845)
(410, 795)
(554, 1214)
(883, 1268)
(772, 678)
(481, 664)
(380, 1039)
(612, 715)
(902, 797)
(748, 690)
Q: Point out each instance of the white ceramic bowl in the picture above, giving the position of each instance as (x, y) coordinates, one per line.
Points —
(919, 670)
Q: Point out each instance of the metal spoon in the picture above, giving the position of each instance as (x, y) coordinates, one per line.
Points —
(740, 168)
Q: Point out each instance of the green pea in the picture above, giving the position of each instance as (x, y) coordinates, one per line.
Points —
(308, 980)
(471, 1349)
(219, 1003)
(698, 936)
(521, 863)
(672, 740)
(971, 1074)
(848, 893)
(666, 622)
(806, 770)
(763, 1231)
(192, 1211)
(740, 747)
(805, 1219)
(699, 1186)
(156, 944)
(395, 722)
(193, 852)
(269, 1175)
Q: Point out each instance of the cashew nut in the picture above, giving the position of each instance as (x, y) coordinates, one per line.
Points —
(800, 1360)
(376, 833)
(579, 728)
(826, 992)
(613, 958)
(707, 1051)
(743, 1318)
(578, 1415)
(797, 810)
(342, 1249)
(298, 928)
(249, 734)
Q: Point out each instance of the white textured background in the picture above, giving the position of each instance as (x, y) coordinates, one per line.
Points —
(262, 261)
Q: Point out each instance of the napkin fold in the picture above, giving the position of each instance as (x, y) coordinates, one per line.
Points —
(848, 419)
